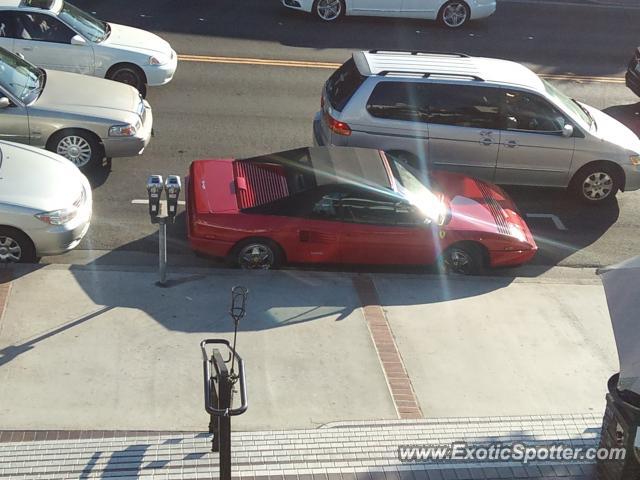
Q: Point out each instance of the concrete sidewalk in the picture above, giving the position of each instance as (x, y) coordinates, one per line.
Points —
(99, 347)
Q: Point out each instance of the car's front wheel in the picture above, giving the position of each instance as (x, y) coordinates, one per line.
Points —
(78, 146)
(596, 184)
(258, 254)
(16, 247)
(454, 14)
(129, 75)
(463, 258)
(328, 10)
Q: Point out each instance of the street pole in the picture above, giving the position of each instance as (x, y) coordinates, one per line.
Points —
(162, 250)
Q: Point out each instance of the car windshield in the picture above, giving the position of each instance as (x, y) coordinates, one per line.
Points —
(574, 107)
(20, 78)
(413, 187)
(86, 24)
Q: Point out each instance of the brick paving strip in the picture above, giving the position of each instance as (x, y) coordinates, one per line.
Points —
(404, 397)
(354, 450)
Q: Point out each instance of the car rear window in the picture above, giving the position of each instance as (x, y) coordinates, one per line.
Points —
(343, 83)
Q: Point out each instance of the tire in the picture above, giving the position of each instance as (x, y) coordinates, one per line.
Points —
(463, 259)
(596, 184)
(129, 75)
(78, 146)
(454, 14)
(257, 254)
(16, 247)
(328, 10)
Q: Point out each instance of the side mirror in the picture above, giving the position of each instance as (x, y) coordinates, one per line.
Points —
(4, 102)
(567, 130)
(78, 40)
(19, 55)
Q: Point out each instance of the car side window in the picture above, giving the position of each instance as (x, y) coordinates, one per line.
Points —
(42, 28)
(398, 101)
(364, 208)
(464, 106)
(529, 112)
(7, 25)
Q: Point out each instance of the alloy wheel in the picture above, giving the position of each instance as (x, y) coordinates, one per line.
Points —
(76, 149)
(329, 10)
(454, 14)
(256, 256)
(597, 186)
(459, 261)
(10, 250)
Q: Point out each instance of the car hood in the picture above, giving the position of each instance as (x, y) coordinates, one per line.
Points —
(84, 95)
(612, 131)
(478, 206)
(129, 38)
(37, 179)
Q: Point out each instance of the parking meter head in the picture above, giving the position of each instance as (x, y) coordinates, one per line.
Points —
(173, 186)
(154, 192)
(238, 302)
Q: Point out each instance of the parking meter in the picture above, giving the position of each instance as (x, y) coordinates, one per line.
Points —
(154, 191)
(172, 187)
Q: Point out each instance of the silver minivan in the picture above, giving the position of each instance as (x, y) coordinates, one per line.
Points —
(489, 118)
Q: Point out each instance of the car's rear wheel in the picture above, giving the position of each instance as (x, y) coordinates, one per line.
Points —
(129, 75)
(328, 10)
(16, 247)
(465, 258)
(596, 184)
(454, 14)
(78, 146)
(258, 254)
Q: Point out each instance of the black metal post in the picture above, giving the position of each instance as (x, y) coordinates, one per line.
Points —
(224, 425)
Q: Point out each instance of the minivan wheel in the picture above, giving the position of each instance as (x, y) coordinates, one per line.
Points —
(454, 14)
(77, 146)
(16, 247)
(258, 254)
(328, 10)
(463, 259)
(596, 184)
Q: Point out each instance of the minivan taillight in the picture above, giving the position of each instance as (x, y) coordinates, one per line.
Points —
(337, 126)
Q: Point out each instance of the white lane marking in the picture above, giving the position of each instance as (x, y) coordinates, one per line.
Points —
(554, 218)
(139, 201)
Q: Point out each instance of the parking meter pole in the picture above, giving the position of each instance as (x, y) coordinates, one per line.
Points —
(162, 250)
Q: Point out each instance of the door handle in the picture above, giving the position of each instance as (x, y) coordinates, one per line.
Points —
(486, 141)
(511, 144)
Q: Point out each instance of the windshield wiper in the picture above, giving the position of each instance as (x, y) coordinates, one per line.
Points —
(593, 120)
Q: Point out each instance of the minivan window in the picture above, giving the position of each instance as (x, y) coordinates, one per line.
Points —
(464, 106)
(527, 111)
(567, 103)
(342, 84)
(399, 101)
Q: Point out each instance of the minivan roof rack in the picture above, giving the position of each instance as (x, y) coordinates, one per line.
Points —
(422, 52)
(475, 78)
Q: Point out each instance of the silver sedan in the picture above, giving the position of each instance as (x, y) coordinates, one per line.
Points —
(81, 118)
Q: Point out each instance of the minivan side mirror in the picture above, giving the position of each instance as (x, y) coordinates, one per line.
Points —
(78, 40)
(4, 102)
(512, 123)
(567, 130)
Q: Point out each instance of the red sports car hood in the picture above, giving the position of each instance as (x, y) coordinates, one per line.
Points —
(480, 206)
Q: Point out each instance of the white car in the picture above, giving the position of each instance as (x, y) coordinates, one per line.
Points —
(45, 203)
(56, 35)
(450, 13)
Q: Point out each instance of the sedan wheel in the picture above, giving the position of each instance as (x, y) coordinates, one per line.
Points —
(329, 10)
(15, 247)
(454, 14)
(257, 256)
(129, 76)
(75, 148)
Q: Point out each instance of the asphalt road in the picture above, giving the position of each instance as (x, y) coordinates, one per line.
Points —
(232, 107)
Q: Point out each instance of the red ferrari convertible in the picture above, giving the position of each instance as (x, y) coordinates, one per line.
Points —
(349, 205)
